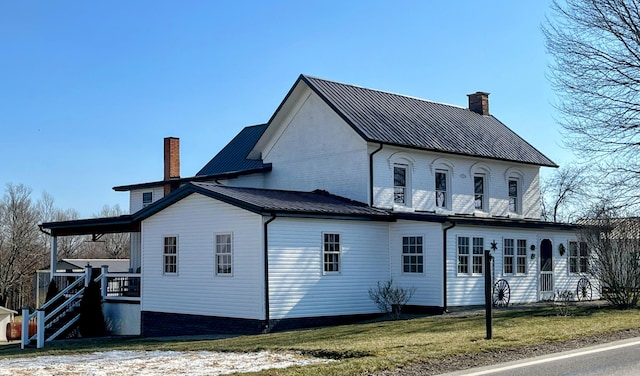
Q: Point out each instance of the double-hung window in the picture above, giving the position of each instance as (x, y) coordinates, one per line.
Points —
(478, 255)
(170, 255)
(478, 192)
(578, 257)
(463, 255)
(224, 254)
(515, 256)
(441, 189)
(412, 254)
(400, 184)
(514, 199)
(331, 253)
(521, 260)
(508, 255)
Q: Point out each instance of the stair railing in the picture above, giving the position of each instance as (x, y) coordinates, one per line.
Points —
(45, 321)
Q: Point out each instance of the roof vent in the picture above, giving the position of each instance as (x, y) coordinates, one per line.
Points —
(479, 102)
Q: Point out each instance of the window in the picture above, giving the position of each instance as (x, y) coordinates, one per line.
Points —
(147, 199)
(578, 257)
(463, 255)
(170, 255)
(514, 205)
(331, 251)
(400, 184)
(441, 189)
(478, 190)
(478, 255)
(412, 254)
(508, 251)
(522, 256)
(515, 258)
(224, 247)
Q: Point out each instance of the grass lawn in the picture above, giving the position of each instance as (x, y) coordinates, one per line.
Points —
(381, 345)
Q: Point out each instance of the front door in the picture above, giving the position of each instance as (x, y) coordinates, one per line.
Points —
(546, 266)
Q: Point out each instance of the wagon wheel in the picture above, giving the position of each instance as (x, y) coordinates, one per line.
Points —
(583, 291)
(501, 293)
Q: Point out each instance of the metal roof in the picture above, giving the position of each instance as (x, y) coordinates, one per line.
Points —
(233, 157)
(405, 121)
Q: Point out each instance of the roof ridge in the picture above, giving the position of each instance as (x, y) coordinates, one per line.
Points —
(387, 92)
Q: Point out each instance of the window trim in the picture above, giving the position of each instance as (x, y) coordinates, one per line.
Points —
(447, 188)
(470, 256)
(217, 273)
(325, 252)
(578, 257)
(420, 264)
(474, 255)
(466, 255)
(484, 207)
(518, 196)
(165, 255)
(407, 185)
(517, 257)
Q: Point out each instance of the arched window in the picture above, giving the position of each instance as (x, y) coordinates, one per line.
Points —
(480, 174)
(514, 179)
(442, 170)
(402, 167)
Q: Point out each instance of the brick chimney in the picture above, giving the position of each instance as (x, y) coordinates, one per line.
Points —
(479, 102)
(171, 163)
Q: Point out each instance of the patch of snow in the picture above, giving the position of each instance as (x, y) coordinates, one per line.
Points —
(157, 362)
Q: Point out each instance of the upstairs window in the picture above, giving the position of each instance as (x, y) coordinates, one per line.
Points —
(147, 199)
(514, 199)
(412, 254)
(478, 190)
(441, 189)
(400, 184)
(170, 255)
(331, 253)
(578, 257)
(224, 249)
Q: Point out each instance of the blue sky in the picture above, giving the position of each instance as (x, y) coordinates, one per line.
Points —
(88, 90)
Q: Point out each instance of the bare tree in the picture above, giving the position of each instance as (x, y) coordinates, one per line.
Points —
(596, 74)
(563, 194)
(110, 245)
(614, 260)
(20, 251)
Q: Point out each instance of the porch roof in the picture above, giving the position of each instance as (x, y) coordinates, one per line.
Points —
(93, 226)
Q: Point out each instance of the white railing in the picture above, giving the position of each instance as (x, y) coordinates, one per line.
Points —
(113, 286)
(546, 281)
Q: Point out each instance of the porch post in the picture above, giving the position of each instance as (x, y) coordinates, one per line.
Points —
(54, 257)
(103, 281)
(40, 330)
(24, 338)
(87, 275)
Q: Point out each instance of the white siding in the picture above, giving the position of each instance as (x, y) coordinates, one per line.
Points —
(422, 183)
(316, 149)
(135, 251)
(196, 289)
(429, 291)
(297, 285)
(135, 197)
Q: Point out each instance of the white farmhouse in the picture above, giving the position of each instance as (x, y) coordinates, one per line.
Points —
(295, 220)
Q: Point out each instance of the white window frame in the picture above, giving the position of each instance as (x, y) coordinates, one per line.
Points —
(417, 256)
(577, 247)
(407, 185)
(447, 188)
(463, 259)
(477, 252)
(166, 255)
(145, 203)
(329, 240)
(517, 256)
(483, 199)
(220, 252)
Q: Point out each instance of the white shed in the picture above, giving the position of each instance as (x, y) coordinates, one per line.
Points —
(6, 316)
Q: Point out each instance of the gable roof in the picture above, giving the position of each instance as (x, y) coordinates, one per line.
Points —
(233, 157)
(400, 120)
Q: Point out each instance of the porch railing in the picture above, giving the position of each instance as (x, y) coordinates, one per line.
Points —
(113, 286)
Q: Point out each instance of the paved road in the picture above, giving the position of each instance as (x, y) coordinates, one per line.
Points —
(621, 358)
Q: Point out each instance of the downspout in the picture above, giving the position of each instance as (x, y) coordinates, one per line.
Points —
(444, 263)
(371, 173)
(266, 272)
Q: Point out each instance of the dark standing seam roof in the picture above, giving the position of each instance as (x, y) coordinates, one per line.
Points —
(416, 123)
(233, 157)
(294, 202)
